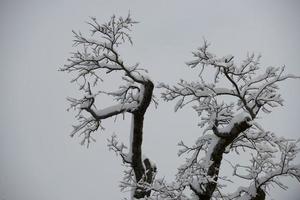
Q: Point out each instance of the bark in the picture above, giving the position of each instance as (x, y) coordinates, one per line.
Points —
(216, 158)
(137, 162)
(260, 195)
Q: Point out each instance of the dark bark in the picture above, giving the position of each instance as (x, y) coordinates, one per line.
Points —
(260, 195)
(137, 162)
(216, 158)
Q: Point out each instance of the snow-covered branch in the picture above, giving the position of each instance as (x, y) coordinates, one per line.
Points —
(273, 158)
(246, 93)
(102, 54)
(118, 148)
(253, 92)
(96, 56)
(228, 107)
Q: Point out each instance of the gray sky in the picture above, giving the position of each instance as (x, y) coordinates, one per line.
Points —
(39, 161)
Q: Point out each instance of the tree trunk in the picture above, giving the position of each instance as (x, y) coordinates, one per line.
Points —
(260, 195)
(137, 163)
(216, 157)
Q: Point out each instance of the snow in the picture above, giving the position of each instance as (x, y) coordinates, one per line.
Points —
(237, 119)
(144, 157)
(196, 186)
(116, 108)
(253, 91)
(213, 141)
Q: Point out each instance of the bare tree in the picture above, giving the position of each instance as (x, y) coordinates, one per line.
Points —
(228, 114)
(98, 56)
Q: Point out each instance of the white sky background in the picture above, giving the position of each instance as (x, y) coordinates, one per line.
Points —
(38, 159)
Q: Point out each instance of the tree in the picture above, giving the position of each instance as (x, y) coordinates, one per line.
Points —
(133, 97)
(228, 114)
(252, 93)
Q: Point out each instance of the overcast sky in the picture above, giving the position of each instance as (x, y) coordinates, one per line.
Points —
(38, 159)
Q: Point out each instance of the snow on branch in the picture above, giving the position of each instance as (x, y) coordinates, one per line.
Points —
(194, 171)
(167, 191)
(253, 92)
(229, 115)
(249, 88)
(118, 148)
(195, 90)
(101, 54)
(95, 57)
(89, 124)
(273, 159)
(161, 190)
